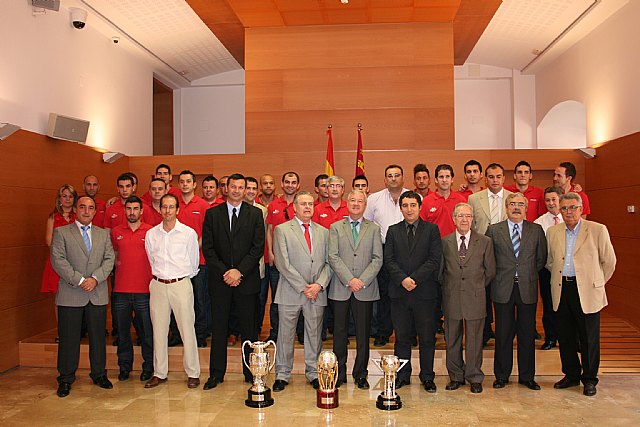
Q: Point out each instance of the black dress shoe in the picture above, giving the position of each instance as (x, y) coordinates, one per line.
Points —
(174, 342)
(500, 383)
(380, 341)
(401, 383)
(279, 385)
(315, 383)
(548, 345)
(440, 330)
(537, 336)
(301, 339)
(454, 385)
(202, 343)
(212, 382)
(63, 389)
(340, 382)
(589, 389)
(273, 338)
(123, 376)
(531, 385)
(146, 375)
(566, 382)
(362, 383)
(429, 386)
(103, 382)
(476, 387)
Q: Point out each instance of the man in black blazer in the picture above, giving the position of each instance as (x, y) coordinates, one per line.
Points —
(412, 256)
(232, 244)
(520, 248)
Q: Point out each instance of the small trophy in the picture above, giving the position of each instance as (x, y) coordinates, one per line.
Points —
(389, 364)
(259, 395)
(327, 367)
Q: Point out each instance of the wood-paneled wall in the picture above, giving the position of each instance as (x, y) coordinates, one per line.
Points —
(395, 79)
(612, 185)
(33, 168)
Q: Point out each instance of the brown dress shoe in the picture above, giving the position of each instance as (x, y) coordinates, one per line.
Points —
(193, 382)
(154, 382)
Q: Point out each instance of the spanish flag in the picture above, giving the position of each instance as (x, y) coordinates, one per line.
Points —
(359, 155)
(329, 165)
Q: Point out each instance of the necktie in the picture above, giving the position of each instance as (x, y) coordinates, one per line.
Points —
(354, 231)
(85, 237)
(515, 239)
(462, 252)
(495, 211)
(555, 219)
(234, 218)
(307, 236)
(410, 235)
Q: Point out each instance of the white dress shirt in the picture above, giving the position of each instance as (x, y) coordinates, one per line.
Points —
(466, 239)
(79, 225)
(500, 195)
(175, 254)
(546, 220)
(230, 209)
(302, 229)
(382, 210)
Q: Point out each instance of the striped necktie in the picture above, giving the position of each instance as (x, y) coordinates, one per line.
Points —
(462, 252)
(495, 210)
(354, 231)
(85, 237)
(515, 239)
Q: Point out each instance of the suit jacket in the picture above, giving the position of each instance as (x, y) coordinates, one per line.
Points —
(72, 262)
(421, 262)
(464, 283)
(348, 260)
(482, 211)
(532, 257)
(297, 266)
(241, 249)
(593, 258)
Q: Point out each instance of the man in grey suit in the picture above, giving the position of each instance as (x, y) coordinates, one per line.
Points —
(520, 247)
(489, 208)
(300, 247)
(469, 266)
(355, 255)
(83, 257)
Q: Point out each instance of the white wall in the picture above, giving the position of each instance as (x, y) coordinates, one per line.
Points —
(601, 71)
(48, 66)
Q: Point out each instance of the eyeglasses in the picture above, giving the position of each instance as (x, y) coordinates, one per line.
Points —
(518, 204)
(570, 208)
(464, 216)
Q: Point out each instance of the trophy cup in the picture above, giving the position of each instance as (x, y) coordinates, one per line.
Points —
(327, 367)
(259, 395)
(389, 364)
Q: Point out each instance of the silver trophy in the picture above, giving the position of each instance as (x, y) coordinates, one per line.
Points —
(259, 395)
(327, 367)
(389, 364)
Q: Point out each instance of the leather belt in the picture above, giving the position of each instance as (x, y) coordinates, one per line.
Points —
(569, 278)
(168, 281)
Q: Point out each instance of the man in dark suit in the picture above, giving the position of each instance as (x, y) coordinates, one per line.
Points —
(520, 247)
(83, 257)
(469, 266)
(232, 244)
(412, 256)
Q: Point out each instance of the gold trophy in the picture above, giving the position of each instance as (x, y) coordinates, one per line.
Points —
(327, 367)
(389, 364)
(259, 393)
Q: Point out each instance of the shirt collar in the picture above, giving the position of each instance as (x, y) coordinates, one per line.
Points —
(500, 193)
(576, 229)
(467, 236)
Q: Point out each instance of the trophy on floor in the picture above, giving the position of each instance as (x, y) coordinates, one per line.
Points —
(259, 393)
(327, 367)
(389, 364)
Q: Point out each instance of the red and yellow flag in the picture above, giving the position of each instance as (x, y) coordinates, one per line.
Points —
(359, 155)
(329, 166)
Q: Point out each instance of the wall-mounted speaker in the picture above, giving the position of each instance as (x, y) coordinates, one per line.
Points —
(69, 128)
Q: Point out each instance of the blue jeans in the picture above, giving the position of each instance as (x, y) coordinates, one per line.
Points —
(123, 304)
(202, 303)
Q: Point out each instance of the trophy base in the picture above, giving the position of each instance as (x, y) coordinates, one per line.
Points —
(259, 399)
(327, 399)
(387, 404)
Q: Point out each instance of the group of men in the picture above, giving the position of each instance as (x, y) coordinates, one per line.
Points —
(391, 261)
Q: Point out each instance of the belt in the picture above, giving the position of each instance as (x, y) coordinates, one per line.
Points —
(569, 278)
(168, 281)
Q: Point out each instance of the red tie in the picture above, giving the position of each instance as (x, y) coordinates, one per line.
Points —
(555, 219)
(307, 236)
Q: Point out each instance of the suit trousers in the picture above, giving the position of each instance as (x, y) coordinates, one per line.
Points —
(404, 311)
(274, 277)
(548, 315)
(382, 323)
(176, 297)
(573, 321)
(289, 315)
(362, 311)
(69, 326)
(469, 368)
(515, 318)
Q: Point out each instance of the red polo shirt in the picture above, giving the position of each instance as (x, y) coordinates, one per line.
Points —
(216, 202)
(114, 215)
(467, 192)
(535, 196)
(439, 211)
(133, 272)
(325, 215)
(415, 190)
(192, 214)
(101, 207)
(150, 215)
(146, 197)
(279, 211)
(586, 207)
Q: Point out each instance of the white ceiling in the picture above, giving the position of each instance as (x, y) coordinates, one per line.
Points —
(183, 49)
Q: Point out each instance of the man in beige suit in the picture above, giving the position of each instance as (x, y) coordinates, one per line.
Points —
(581, 260)
(469, 267)
(489, 208)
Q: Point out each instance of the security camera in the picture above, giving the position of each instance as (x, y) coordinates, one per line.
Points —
(78, 17)
(115, 40)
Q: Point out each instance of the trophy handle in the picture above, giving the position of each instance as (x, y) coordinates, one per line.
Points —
(243, 357)
(275, 350)
(403, 362)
